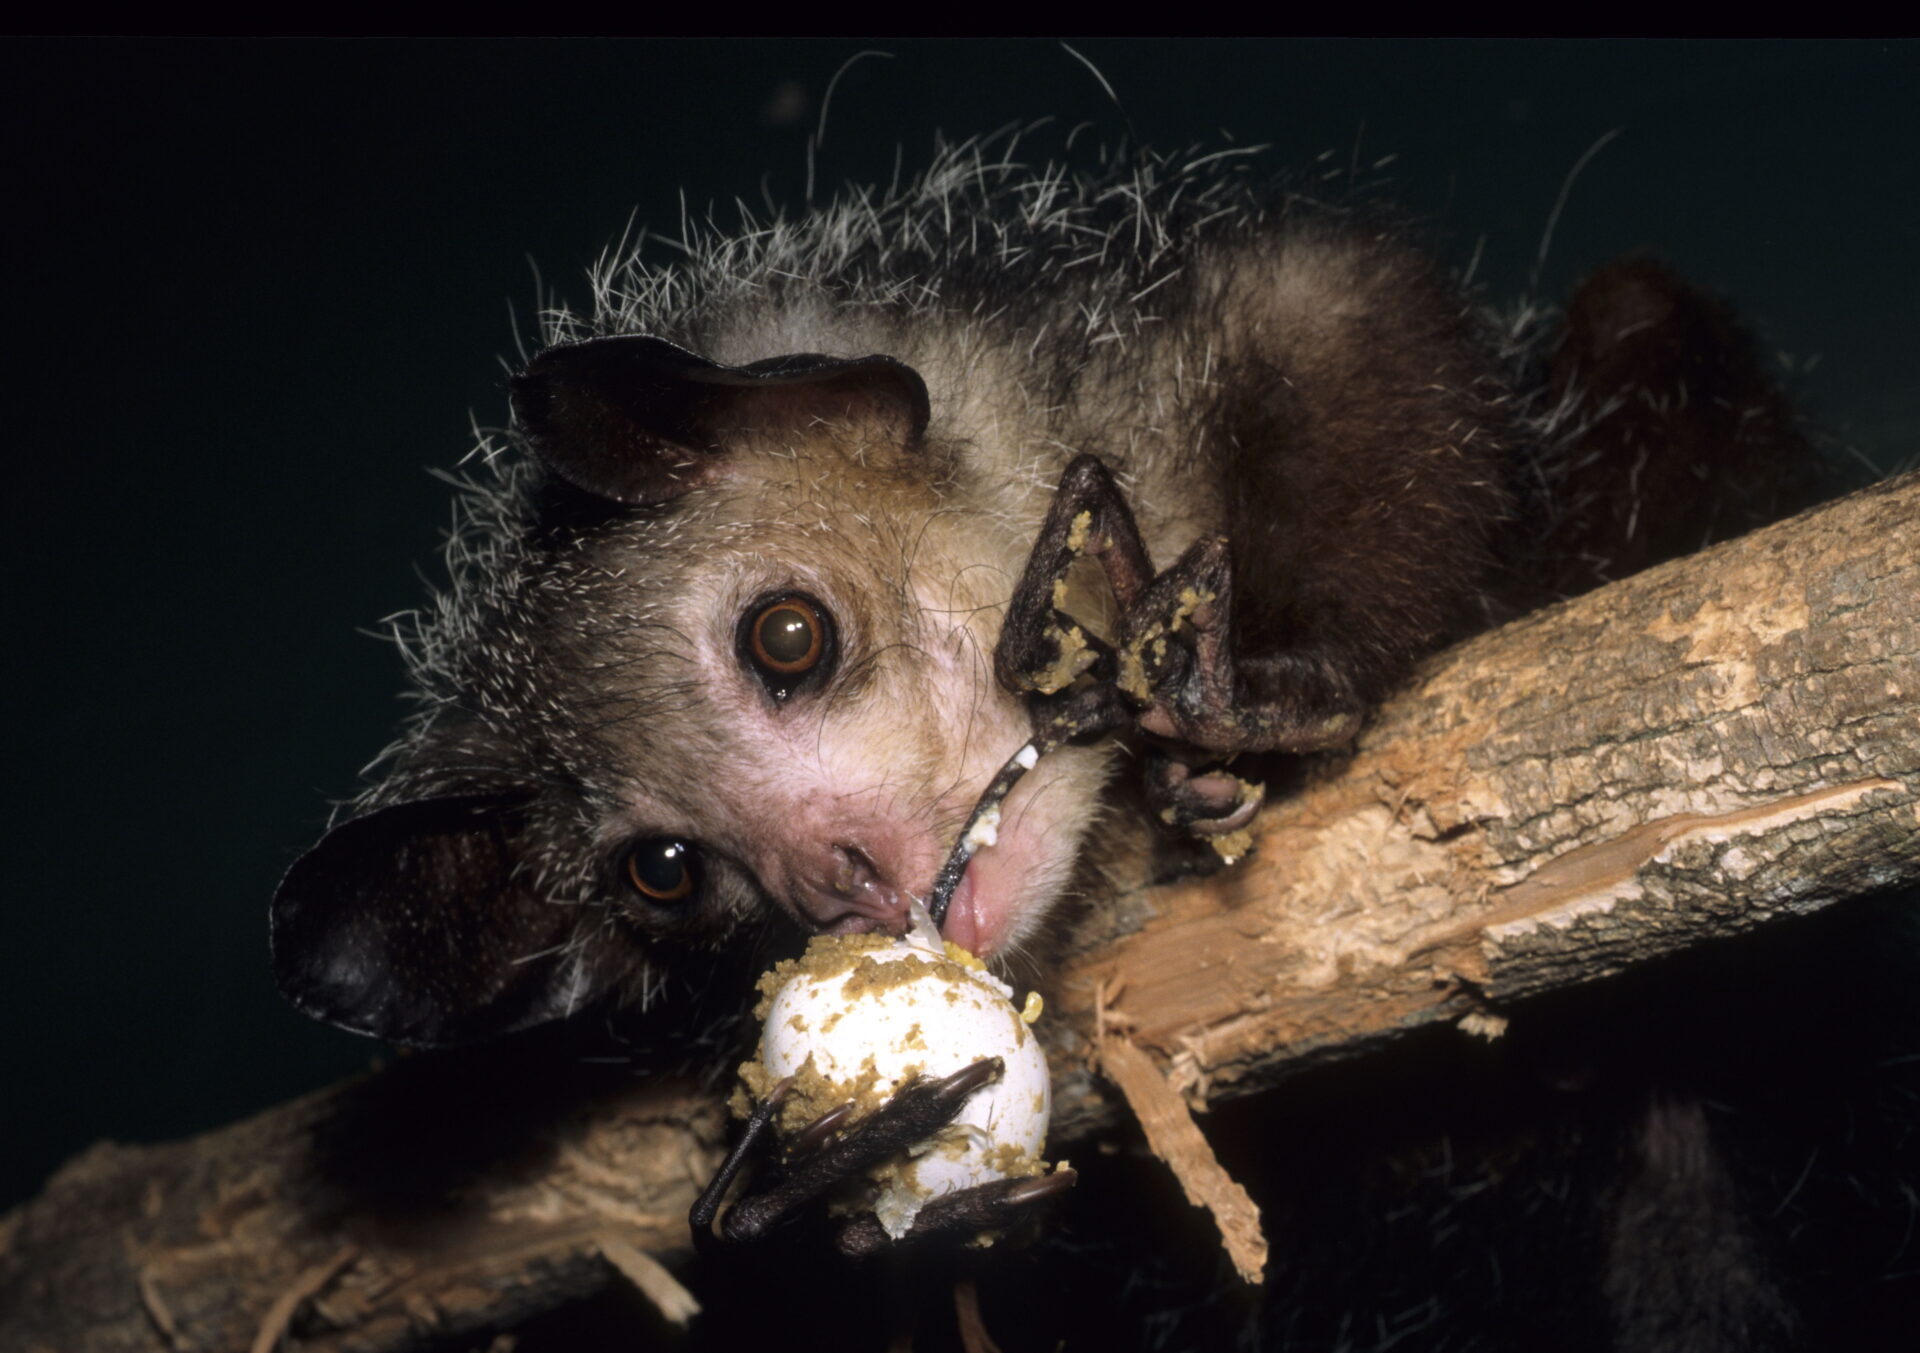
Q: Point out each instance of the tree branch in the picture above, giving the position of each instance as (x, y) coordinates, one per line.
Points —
(1693, 752)
(1684, 755)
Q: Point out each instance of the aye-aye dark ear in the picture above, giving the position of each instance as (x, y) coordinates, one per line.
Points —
(409, 924)
(641, 420)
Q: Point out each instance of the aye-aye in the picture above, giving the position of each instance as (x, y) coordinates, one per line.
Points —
(719, 644)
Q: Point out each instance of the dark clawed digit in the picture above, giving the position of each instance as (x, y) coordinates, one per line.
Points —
(1041, 650)
(707, 1206)
(965, 1213)
(1174, 670)
(1205, 802)
(917, 1110)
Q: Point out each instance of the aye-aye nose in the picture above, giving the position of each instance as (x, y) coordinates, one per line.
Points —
(849, 894)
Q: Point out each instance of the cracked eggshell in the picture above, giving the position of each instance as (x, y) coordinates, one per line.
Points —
(859, 1017)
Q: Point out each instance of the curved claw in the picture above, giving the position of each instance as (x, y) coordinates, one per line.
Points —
(962, 1082)
(917, 1110)
(815, 1134)
(1201, 802)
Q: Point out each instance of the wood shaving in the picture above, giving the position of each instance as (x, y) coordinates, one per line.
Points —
(279, 1316)
(1177, 1140)
(675, 1304)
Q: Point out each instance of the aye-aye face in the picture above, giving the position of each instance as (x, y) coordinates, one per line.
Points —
(833, 633)
(734, 663)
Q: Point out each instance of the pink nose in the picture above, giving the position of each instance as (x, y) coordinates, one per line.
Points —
(847, 893)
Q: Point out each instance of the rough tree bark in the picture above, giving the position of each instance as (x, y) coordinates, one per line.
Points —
(1687, 754)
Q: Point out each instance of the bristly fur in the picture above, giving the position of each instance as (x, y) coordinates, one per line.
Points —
(964, 240)
(973, 236)
(1050, 310)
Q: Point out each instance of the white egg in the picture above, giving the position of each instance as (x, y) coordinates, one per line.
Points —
(869, 1014)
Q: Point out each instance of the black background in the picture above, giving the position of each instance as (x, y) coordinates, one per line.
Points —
(255, 290)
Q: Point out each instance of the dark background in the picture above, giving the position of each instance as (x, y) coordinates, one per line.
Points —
(255, 290)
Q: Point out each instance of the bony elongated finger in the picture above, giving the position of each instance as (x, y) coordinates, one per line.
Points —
(700, 1217)
(922, 1107)
(989, 1207)
(963, 1215)
(916, 1112)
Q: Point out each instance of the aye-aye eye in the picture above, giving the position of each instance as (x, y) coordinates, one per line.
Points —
(664, 871)
(788, 642)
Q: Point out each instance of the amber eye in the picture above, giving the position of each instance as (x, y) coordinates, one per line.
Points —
(788, 637)
(664, 871)
(788, 642)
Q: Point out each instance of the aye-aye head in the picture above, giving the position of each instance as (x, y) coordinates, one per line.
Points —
(730, 662)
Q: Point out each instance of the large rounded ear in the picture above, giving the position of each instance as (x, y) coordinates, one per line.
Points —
(409, 924)
(640, 420)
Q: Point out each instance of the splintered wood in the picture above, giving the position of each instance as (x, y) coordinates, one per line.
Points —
(1177, 1140)
(650, 1277)
(280, 1315)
